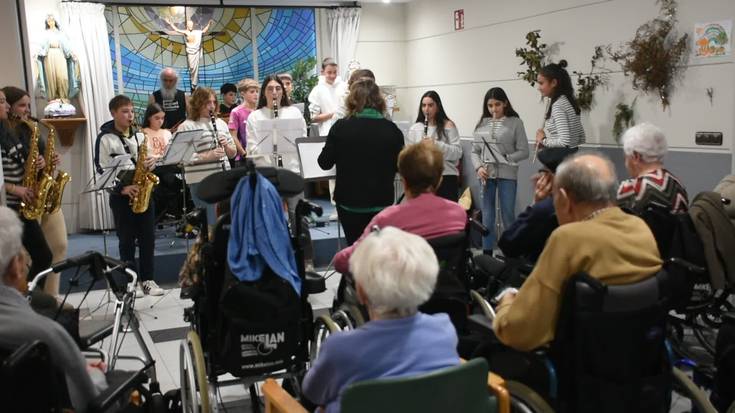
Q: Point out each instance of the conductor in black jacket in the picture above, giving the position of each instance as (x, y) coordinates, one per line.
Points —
(364, 146)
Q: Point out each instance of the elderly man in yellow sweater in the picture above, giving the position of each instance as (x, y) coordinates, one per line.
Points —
(594, 236)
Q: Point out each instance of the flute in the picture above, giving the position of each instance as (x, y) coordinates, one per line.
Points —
(543, 123)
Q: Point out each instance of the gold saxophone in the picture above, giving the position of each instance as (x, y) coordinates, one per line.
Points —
(144, 179)
(53, 199)
(40, 185)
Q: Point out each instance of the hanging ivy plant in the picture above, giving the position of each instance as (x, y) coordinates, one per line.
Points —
(533, 56)
(624, 115)
(588, 82)
(656, 57)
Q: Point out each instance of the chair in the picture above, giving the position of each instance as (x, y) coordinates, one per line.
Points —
(451, 292)
(462, 388)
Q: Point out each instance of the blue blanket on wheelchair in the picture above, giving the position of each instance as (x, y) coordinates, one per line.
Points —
(259, 234)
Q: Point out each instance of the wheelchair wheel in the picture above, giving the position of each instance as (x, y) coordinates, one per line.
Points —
(194, 386)
(686, 388)
(356, 314)
(525, 400)
(323, 327)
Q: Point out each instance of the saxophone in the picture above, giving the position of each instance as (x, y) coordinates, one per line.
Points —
(144, 179)
(53, 200)
(40, 185)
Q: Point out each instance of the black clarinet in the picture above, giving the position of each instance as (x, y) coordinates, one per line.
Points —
(426, 125)
(214, 129)
(279, 158)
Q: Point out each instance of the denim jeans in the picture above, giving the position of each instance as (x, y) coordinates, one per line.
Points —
(507, 198)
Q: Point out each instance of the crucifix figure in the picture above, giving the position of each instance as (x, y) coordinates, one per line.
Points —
(193, 47)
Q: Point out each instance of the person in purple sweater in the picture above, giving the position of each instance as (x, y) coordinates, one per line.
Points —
(423, 213)
(395, 272)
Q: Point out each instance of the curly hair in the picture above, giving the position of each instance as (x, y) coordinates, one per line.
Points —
(364, 93)
(198, 100)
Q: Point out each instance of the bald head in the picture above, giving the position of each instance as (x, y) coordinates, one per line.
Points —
(588, 178)
(169, 72)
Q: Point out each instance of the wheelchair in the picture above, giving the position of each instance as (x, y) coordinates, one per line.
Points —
(610, 353)
(454, 293)
(251, 331)
(699, 308)
(28, 368)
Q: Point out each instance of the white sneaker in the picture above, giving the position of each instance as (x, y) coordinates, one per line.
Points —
(151, 288)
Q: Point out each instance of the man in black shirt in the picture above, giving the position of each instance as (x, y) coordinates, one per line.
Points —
(171, 99)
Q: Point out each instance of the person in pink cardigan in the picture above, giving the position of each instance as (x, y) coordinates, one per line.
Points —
(422, 213)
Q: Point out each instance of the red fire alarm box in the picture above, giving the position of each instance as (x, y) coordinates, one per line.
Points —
(459, 19)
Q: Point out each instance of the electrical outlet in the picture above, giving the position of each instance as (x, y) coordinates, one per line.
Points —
(708, 138)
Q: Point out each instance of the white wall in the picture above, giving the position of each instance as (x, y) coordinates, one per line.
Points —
(11, 65)
(381, 43)
(461, 66)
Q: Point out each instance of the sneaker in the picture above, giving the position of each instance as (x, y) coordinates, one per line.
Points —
(151, 288)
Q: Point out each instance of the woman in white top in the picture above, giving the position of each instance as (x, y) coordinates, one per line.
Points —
(433, 123)
(200, 110)
(562, 129)
(500, 143)
(272, 91)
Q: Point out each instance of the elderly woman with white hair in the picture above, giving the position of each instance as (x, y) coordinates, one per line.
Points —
(645, 147)
(395, 272)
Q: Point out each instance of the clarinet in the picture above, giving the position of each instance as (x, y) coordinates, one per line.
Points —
(426, 126)
(279, 158)
(214, 129)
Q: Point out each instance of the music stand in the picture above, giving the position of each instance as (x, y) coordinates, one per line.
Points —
(278, 138)
(109, 174)
(308, 150)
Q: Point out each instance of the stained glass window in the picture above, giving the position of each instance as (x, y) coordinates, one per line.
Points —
(148, 44)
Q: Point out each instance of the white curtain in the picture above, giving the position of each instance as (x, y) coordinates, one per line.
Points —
(86, 27)
(343, 28)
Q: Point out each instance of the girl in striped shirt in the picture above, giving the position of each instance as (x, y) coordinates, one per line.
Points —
(562, 125)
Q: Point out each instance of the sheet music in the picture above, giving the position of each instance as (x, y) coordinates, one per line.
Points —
(108, 176)
(182, 147)
(308, 151)
(278, 137)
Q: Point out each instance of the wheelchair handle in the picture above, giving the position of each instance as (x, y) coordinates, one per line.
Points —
(83, 259)
(696, 269)
(479, 227)
(306, 207)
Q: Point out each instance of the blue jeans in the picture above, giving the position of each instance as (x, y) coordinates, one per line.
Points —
(507, 197)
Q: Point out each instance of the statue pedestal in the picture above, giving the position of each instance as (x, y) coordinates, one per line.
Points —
(66, 128)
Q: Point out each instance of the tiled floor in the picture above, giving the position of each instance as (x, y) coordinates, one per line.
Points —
(161, 313)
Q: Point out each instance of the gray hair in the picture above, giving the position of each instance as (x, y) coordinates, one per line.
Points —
(11, 234)
(646, 139)
(584, 182)
(169, 70)
(396, 269)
